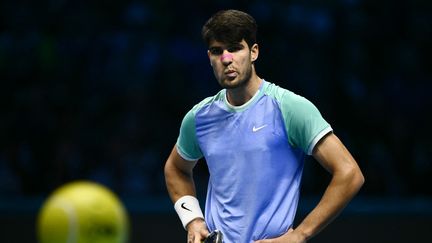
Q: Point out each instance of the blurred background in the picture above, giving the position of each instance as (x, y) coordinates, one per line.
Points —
(97, 90)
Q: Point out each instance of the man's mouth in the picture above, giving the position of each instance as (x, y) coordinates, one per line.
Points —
(231, 74)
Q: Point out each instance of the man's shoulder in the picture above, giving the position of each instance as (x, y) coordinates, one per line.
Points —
(281, 94)
(208, 100)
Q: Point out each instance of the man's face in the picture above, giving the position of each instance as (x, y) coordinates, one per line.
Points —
(232, 63)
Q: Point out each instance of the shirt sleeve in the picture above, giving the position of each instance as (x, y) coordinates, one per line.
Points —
(187, 143)
(304, 123)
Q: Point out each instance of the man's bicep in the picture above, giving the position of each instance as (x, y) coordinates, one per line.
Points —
(178, 162)
(332, 154)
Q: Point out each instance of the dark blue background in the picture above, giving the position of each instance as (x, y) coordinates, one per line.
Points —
(97, 90)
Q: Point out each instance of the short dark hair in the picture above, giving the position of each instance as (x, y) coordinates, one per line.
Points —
(230, 27)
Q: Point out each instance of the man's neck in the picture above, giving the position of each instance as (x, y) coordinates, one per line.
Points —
(241, 95)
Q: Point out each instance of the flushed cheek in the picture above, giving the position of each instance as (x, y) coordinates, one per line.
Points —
(217, 68)
(218, 71)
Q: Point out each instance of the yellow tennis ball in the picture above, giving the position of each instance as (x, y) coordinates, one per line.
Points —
(82, 212)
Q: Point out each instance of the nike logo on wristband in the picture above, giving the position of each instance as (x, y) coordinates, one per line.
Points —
(183, 206)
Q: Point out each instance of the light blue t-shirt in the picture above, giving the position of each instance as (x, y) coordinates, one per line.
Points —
(255, 155)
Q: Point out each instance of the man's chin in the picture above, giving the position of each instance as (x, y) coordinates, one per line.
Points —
(231, 83)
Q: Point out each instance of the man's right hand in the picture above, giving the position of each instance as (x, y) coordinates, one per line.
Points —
(197, 231)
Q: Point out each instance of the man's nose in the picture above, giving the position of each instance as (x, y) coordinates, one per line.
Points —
(226, 57)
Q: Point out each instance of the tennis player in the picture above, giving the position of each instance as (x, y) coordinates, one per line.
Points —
(254, 136)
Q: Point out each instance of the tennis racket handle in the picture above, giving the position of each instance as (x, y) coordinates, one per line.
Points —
(215, 236)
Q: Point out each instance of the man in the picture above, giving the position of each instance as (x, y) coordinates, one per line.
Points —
(254, 136)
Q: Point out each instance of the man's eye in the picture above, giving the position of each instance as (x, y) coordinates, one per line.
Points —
(235, 48)
(215, 51)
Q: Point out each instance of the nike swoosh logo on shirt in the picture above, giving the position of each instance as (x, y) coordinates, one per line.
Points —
(255, 129)
(183, 206)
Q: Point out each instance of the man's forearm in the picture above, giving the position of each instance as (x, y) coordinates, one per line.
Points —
(340, 191)
(178, 183)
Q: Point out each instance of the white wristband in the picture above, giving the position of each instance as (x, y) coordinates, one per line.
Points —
(188, 209)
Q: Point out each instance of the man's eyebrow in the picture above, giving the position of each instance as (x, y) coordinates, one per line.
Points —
(236, 45)
(215, 47)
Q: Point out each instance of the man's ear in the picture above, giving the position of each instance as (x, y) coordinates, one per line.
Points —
(254, 52)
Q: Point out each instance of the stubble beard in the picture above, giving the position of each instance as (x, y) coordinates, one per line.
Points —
(240, 83)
